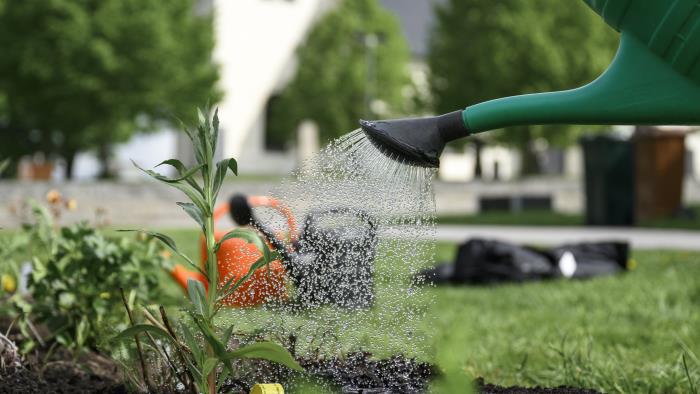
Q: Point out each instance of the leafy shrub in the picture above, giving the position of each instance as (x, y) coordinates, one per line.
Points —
(74, 284)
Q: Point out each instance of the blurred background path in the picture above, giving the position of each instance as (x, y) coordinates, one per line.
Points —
(552, 235)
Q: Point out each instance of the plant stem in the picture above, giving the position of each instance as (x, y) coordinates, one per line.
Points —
(212, 264)
(166, 323)
(136, 337)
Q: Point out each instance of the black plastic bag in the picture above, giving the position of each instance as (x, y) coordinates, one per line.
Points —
(481, 261)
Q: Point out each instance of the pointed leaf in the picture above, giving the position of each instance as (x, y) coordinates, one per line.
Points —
(191, 341)
(142, 328)
(194, 194)
(209, 365)
(215, 127)
(221, 168)
(227, 335)
(267, 351)
(163, 178)
(181, 169)
(6, 162)
(193, 211)
(198, 296)
(211, 338)
(200, 116)
(233, 166)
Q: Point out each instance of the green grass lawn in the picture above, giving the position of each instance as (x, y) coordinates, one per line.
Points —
(549, 218)
(626, 334)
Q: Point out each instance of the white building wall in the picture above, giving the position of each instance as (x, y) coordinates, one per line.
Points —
(256, 42)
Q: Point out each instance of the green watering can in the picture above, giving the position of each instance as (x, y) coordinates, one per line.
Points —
(654, 79)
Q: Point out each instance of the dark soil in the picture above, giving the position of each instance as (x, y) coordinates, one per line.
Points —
(484, 388)
(354, 373)
(359, 371)
(56, 372)
(59, 377)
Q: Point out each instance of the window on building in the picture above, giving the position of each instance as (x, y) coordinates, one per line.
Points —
(278, 129)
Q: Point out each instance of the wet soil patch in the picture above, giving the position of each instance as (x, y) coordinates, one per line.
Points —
(353, 373)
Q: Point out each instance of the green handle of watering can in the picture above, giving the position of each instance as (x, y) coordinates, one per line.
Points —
(654, 78)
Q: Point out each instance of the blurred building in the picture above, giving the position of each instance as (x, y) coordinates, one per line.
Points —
(256, 42)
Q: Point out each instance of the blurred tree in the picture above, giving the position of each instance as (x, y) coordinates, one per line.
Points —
(481, 50)
(353, 65)
(85, 74)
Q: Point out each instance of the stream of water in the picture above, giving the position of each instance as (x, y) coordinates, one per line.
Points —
(366, 218)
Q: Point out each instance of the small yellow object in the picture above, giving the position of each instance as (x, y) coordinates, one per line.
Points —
(267, 388)
(105, 295)
(71, 204)
(166, 254)
(53, 196)
(631, 264)
(9, 284)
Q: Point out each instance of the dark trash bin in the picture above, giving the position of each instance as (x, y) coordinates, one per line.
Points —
(609, 180)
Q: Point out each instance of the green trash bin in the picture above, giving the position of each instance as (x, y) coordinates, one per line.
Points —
(609, 180)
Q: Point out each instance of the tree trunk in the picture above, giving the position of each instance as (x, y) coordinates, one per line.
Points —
(530, 163)
(104, 154)
(478, 145)
(70, 163)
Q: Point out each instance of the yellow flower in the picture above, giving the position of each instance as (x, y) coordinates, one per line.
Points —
(9, 284)
(105, 295)
(71, 204)
(53, 196)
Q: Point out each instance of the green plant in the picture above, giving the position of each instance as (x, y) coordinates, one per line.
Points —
(201, 184)
(76, 273)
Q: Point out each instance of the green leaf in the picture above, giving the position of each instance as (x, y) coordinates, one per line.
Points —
(200, 116)
(6, 162)
(221, 168)
(193, 211)
(215, 127)
(181, 169)
(191, 341)
(164, 178)
(81, 331)
(267, 351)
(194, 194)
(170, 243)
(248, 235)
(198, 295)
(227, 335)
(209, 365)
(142, 328)
(211, 338)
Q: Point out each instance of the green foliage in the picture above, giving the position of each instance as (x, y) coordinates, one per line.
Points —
(201, 358)
(77, 75)
(482, 50)
(75, 278)
(337, 72)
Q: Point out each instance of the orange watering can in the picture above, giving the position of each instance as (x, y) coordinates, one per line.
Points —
(236, 255)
